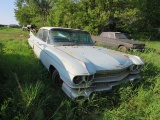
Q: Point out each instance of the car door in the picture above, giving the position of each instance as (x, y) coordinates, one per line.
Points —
(37, 40)
(39, 43)
(43, 45)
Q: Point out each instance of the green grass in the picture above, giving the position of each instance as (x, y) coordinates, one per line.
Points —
(27, 91)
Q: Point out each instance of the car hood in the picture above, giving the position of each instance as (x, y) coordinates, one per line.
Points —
(95, 58)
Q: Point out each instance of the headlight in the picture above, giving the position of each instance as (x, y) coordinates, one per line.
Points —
(139, 67)
(79, 79)
(134, 68)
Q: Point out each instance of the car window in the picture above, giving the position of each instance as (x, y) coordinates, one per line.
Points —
(69, 35)
(79, 38)
(121, 36)
(40, 34)
(59, 36)
(45, 35)
(111, 35)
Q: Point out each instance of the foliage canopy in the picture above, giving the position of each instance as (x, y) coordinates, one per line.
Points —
(95, 16)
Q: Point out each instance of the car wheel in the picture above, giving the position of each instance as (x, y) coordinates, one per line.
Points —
(56, 78)
(122, 49)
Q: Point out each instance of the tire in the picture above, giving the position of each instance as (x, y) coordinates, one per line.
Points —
(56, 78)
(122, 48)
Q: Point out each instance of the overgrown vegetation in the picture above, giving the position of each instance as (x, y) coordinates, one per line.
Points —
(95, 16)
(27, 91)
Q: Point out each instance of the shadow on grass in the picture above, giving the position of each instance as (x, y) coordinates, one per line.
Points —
(27, 85)
(1, 55)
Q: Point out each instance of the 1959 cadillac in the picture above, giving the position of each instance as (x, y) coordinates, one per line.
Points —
(79, 66)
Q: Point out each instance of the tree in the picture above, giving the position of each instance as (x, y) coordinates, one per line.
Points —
(23, 12)
(94, 16)
(31, 10)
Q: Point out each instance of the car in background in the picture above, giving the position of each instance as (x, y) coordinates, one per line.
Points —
(118, 40)
(79, 66)
(24, 28)
(29, 28)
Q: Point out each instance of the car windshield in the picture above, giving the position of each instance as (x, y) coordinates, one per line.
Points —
(69, 36)
(121, 36)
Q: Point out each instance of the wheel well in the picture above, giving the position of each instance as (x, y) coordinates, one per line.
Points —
(51, 68)
(120, 46)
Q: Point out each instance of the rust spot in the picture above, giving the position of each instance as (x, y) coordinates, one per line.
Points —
(126, 56)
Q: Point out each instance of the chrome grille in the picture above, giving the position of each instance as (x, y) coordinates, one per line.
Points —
(141, 46)
(104, 74)
(138, 46)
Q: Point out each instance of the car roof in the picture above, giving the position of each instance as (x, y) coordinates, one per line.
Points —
(49, 28)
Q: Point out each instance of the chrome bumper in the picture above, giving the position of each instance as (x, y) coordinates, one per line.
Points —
(137, 49)
(86, 92)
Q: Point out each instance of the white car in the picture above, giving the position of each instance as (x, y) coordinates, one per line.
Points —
(79, 66)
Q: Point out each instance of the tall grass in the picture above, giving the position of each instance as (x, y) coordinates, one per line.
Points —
(27, 92)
